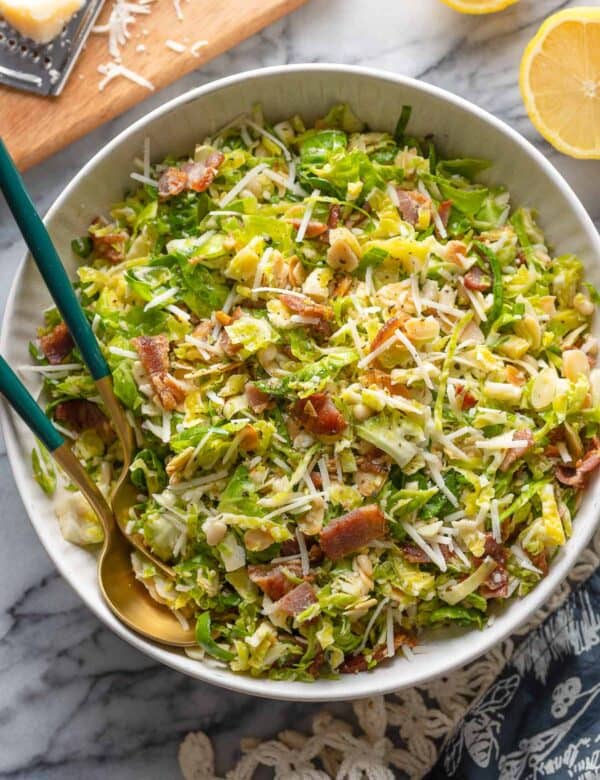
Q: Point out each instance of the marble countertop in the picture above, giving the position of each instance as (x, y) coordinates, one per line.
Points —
(75, 701)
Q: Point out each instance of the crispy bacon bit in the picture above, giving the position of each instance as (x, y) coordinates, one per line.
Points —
(577, 477)
(352, 531)
(81, 415)
(374, 376)
(110, 247)
(317, 479)
(358, 663)
(409, 203)
(515, 376)
(334, 216)
(297, 600)
(318, 414)
(495, 550)
(374, 462)
(172, 182)
(521, 259)
(227, 345)
(249, 439)
(540, 561)
(196, 176)
(272, 580)
(317, 663)
(444, 210)
(154, 354)
(342, 287)
(357, 217)
(413, 554)
(258, 400)
(315, 553)
(222, 318)
(306, 308)
(466, 399)
(313, 229)
(200, 175)
(386, 331)
(455, 252)
(476, 279)
(515, 453)
(496, 585)
(57, 344)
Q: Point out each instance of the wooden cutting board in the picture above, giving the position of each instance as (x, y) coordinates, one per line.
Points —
(35, 127)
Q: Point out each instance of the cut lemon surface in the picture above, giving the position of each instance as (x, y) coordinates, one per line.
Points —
(479, 6)
(560, 81)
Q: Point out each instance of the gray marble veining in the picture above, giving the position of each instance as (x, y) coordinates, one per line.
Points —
(75, 701)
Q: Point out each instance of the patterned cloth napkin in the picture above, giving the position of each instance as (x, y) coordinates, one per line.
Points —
(528, 709)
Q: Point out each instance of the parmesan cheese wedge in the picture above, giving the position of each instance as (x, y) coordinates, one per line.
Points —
(41, 20)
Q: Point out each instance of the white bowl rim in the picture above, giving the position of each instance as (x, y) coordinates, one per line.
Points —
(355, 686)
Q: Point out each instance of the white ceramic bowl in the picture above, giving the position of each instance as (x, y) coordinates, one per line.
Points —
(461, 129)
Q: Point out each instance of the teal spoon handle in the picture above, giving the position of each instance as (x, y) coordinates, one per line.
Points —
(21, 401)
(47, 260)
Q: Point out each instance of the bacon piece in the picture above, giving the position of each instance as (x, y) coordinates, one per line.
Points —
(272, 579)
(540, 561)
(200, 175)
(319, 415)
(373, 376)
(354, 664)
(444, 210)
(172, 182)
(476, 279)
(374, 462)
(313, 229)
(455, 252)
(57, 344)
(297, 600)
(466, 399)
(386, 331)
(577, 477)
(515, 376)
(414, 554)
(258, 400)
(334, 216)
(352, 531)
(495, 550)
(409, 203)
(317, 479)
(496, 585)
(110, 247)
(307, 308)
(526, 437)
(82, 415)
(154, 354)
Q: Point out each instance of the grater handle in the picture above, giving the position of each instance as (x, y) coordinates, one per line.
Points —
(47, 260)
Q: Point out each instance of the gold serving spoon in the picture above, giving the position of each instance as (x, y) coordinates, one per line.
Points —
(125, 595)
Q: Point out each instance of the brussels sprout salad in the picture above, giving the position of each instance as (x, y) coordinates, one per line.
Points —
(361, 385)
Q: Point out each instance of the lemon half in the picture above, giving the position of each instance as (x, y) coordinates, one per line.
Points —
(479, 6)
(560, 81)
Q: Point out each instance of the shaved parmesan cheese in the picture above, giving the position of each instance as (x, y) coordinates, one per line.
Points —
(144, 179)
(261, 131)
(376, 352)
(195, 47)
(434, 465)
(162, 298)
(435, 557)
(112, 70)
(175, 46)
(389, 632)
(128, 353)
(304, 559)
(495, 516)
(306, 216)
(242, 183)
(371, 623)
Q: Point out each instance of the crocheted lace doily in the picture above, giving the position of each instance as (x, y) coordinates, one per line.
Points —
(401, 734)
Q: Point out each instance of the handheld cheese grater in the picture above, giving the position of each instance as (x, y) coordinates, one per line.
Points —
(44, 67)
